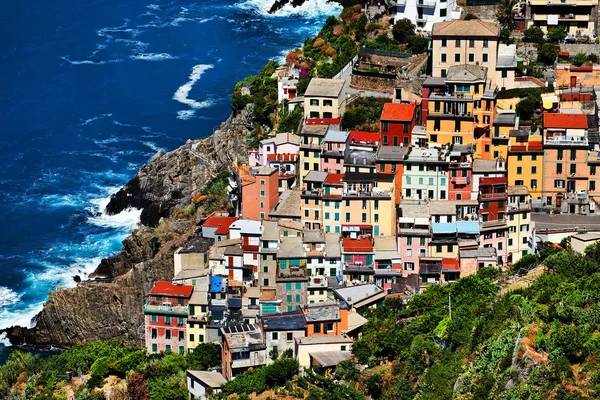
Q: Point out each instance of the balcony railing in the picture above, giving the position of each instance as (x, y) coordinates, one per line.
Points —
(318, 281)
(455, 164)
(422, 18)
(293, 272)
(166, 309)
(249, 362)
(373, 193)
(358, 269)
(449, 96)
(566, 141)
(518, 206)
(492, 224)
(492, 196)
(425, 4)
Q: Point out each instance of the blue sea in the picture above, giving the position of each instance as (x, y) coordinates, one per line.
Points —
(90, 90)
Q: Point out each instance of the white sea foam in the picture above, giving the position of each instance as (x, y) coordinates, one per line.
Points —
(4, 340)
(21, 317)
(153, 6)
(185, 114)
(61, 201)
(8, 297)
(153, 56)
(96, 118)
(153, 146)
(90, 62)
(181, 95)
(127, 219)
(310, 9)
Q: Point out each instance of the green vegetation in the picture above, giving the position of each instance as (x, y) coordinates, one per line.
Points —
(505, 14)
(526, 107)
(523, 92)
(159, 376)
(533, 34)
(556, 34)
(216, 190)
(583, 58)
(363, 114)
(290, 121)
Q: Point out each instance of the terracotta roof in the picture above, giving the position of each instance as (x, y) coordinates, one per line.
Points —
(398, 112)
(334, 179)
(357, 246)
(450, 264)
(573, 121)
(366, 137)
(222, 223)
(169, 289)
(282, 157)
(469, 28)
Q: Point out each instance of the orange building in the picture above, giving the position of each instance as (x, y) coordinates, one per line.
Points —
(260, 191)
(326, 319)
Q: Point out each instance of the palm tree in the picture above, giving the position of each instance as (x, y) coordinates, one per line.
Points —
(505, 13)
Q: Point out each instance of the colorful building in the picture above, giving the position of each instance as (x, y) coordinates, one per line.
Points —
(324, 99)
(292, 275)
(397, 123)
(334, 151)
(260, 192)
(493, 196)
(243, 347)
(310, 148)
(525, 162)
(520, 226)
(425, 175)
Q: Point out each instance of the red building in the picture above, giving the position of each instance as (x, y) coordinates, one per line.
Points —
(165, 316)
(260, 192)
(397, 123)
(358, 258)
(460, 171)
(493, 194)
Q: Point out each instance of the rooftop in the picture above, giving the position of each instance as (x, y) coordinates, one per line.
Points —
(262, 170)
(360, 137)
(398, 112)
(282, 138)
(565, 121)
(324, 340)
(392, 153)
(270, 230)
(219, 222)
(198, 244)
(210, 379)
(467, 28)
(357, 245)
(587, 236)
(191, 273)
(385, 243)
(315, 176)
(442, 207)
(322, 312)
(313, 236)
(247, 227)
(319, 87)
(314, 130)
(518, 190)
(334, 179)
(243, 336)
(434, 81)
(288, 205)
(414, 210)
(284, 322)
(170, 289)
(332, 245)
(199, 297)
(329, 359)
(291, 247)
(505, 119)
(466, 73)
(336, 136)
(356, 294)
(480, 165)
(482, 252)
(360, 157)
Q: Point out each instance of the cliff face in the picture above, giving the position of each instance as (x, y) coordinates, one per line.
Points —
(113, 307)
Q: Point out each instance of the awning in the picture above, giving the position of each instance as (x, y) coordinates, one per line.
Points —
(443, 227)
(450, 265)
(356, 228)
(460, 180)
(468, 227)
(330, 358)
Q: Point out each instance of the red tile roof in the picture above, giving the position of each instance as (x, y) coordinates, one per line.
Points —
(364, 137)
(493, 181)
(450, 264)
(398, 112)
(170, 289)
(282, 157)
(221, 223)
(323, 121)
(334, 179)
(574, 121)
(357, 246)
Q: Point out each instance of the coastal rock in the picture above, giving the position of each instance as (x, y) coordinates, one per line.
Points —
(111, 306)
(170, 180)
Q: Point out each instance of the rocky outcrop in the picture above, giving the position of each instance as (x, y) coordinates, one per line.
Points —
(112, 307)
(279, 4)
(170, 180)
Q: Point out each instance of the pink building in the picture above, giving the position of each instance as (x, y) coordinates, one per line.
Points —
(334, 151)
(260, 192)
(413, 236)
(460, 172)
(358, 258)
(287, 165)
(282, 143)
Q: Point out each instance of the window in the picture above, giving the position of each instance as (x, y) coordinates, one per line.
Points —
(376, 217)
(275, 335)
(519, 170)
(485, 57)
(328, 103)
(559, 183)
(438, 248)
(471, 43)
(317, 328)
(409, 266)
(181, 335)
(559, 169)
(262, 193)
(290, 336)
(499, 245)
(314, 102)
(471, 57)
(347, 217)
(154, 348)
(443, 181)
(288, 286)
(457, 125)
(167, 334)
(154, 333)
(265, 282)
(342, 348)
(457, 57)
(534, 183)
(457, 43)
(326, 215)
(444, 42)
(262, 181)
(168, 348)
(510, 242)
(297, 298)
(168, 320)
(298, 285)
(559, 155)
(534, 170)
(592, 170)
(573, 169)
(485, 43)
(573, 154)
(504, 73)
(408, 252)
(592, 185)
(431, 181)
(443, 57)
(289, 298)
(306, 213)
(443, 12)
(443, 73)
(154, 318)
(364, 217)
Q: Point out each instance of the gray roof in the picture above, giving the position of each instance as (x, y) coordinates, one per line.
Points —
(358, 293)
(322, 312)
(313, 236)
(314, 130)
(291, 247)
(198, 244)
(330, 358)
(414, 210)
(333, 248)
(288, 205)
(315, 176)
(270, 230)
(482, 252)
(360, 157)
(243, 335)
(199, 296)
(505, 119)
(262, 170)
(284, 322)
(518, 190)
(336, 136)
(191, 273)
(323, 340)
(282, 138)
(391, 153)
(211, 379)
(442, 207)
(434, 81)
(587, 236)
(466, 73)
(424, 155)
(320, 87)
(248, 227)
(480, 165)
(385, 243)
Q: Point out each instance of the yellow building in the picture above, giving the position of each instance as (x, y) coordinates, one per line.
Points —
(197, 319)
(310, 148)
(525, 162)
(575, 16)
(464, 110)
(332, 202)
(312, 199)
(324, 98)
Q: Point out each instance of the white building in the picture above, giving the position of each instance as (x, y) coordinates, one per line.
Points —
(201, 384)
(424, 175)
(425, 13)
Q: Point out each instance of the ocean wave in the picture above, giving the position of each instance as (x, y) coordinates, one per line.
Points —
(62, 201)
(90, 62)
(185, 114)
(4, 340)
(153, 6)
(153, 57)
(181, 95)
(96, 118)
(126, 220)
(309, 9)
(22, 317)
(153, 146)
(8, 297)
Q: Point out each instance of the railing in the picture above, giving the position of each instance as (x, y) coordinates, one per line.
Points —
(425, 4)
(491, 224)
(449, 96)
(373, 193)
(165, 309)
(361, 269)
(492, 196)
(292, 272)
(518, 206)
(248, 362)
(465, 164)
(318, 281)
(566, 141)
(430, 268)
(422, 18)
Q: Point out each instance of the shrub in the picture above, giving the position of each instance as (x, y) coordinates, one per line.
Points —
(556, 34)
(137, 388)
(526, 107)
(579, 59)
(470, 16)
(547, 53)
(533, 34)
(402, 29)
(204, 357)
(99, 371)
(417, 44)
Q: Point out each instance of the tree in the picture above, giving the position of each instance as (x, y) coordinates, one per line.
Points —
(290, 120)
(533, 34)
(470, 16)
(579, 59)
(505, 36)
(204, 357)
(505, 13)
(403, 29)
(526, 107)
(417, 44)
(137, 388)
(556, 34)
(547, 53)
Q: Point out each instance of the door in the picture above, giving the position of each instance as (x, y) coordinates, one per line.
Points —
(376, 230)
(230, 274)
(573, 81)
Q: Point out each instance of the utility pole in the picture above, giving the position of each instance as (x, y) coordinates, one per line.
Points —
(450, 305)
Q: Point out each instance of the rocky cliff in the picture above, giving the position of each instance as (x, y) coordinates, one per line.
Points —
(112, 307)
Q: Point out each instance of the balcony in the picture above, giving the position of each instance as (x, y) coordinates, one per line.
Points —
(430, 267)
(198, 318)
(492, 196)
(358, 269)
(518, 207)
(456, 164)
(494, 224)
(422, 18)
(318, 281)
(451, 115)
(375, 192)
(567, 141)
(425, 4)
(293, 272)
(165, 309)
(594, 157)
(312, 192)
(438, 96)
(249, 362)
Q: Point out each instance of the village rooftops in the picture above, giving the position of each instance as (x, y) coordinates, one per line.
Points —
(360, 157)
(398, 112)
(221, 223)
(363, 245)
(392, 153)
(414, 210)
(314, 130)
(483, 166)
(334, 179)
(227, 242)
(199, 297)
(466, 73)
(290, 321)
(565, 121)
(270, 230)
(320, 87)
(507, 56)
(288, 206)
(434, 81)
(197, 245)
(291, 248)
(282, 138)
(313, 236)
(332, 244)
(336, 136)
(169, 289)
(518, 190)
(244, 336)
(262, 170)
(310, 340)
(431, 155)
(247, 227)
(328, 359)
(355, 295)
(385, 243)
(507, 119)
(466, 28)
(482, 252)
(364, 138)
(446, 207)
(322, 312)
(315, 176)
(191, 273)
(210, 379)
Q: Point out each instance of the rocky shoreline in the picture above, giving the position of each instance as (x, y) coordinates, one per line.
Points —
(111, 306)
